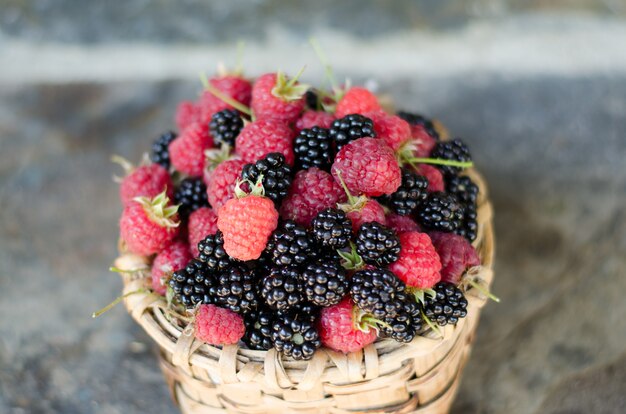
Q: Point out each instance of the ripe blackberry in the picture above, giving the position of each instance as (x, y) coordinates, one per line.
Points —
(351, 127)
(192, 284)
(290, 244)
(160, 149)
(447, 307)
(406, 323)
(304, 309)
(225, 126)
(377, 244)
(466, 191)
(409, 195)
(377, 291)
(325, 283)
(295, 335)
(314, 148)
(276, 175)
(236, 289)
(191, 195)
(282, 288)
(417, 119)
(454, 150)
(259, 329)
(332, 228)
(440, 212)
(312, 100)
(212, 253)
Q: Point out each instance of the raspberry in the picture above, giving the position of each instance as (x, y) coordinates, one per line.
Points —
(456, 255)
(370, 212)
(314, 148)
(147, 225)
(274, 173)
(218, 326)
(191, 284)
(351, 127)
(221, 182)
(325, 283)
(409, 195)
(212, 253)
(147, 181)
(282, 288)
(312, 191)
(236, 289)
(368, 166)
(377, 291)
(160, 153)
(190, 195)
(440, 212)
(416, 120)
(309, 119)
(263, 136)
(232, 86)
(294, 335)
(332, 228)
(339, 331)
(187, 151)
(392, 129)
(172, 258)
(422, 141)
(225, 126)
(259, 329)
(357, 101)
(454, 150)
(274, 96)
(247, 224)
(290, 244)
(401, 224)
(186, 114)
(447, 307)
(419, 265)
(377, 244)
(202, 223)
(433, 175)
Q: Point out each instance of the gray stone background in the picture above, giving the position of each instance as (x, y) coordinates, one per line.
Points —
(537, 88)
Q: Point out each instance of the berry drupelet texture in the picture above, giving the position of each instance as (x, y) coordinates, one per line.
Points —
(377, 244)
(466, 191)
(225, 125)
(212, 253)
(295, 335)
(377, 291)
(190, 195)
(276, 175)
(332, 228)
(160, 153)
(440, 212)
(236, 289)
(314, 148)
(191, 285)
(409, 195)
(290, 244)
(325, 283)
(259, 329)
(454, 150)
(282, 288)
(403, 327)
(447, 307)
(351, 127)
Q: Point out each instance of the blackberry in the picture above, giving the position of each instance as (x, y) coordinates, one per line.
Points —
(259, 329)
(192, 284)
(417, 119)
(454, 150)
(409, 195)
(377, 291)
(466, 191)
(282, 288)
(314, 148)
(191, 195)
(295, 335)
(276, 175)
(225, 125)
(212, 253)
(440, 212)
(312, 100)
(290, 244)
(236, 289)
(351, 127)
(160, 149)
(332, 228)
(304, 309)
(404, 326)
(325, 283)
(448, 305)
(377, 244)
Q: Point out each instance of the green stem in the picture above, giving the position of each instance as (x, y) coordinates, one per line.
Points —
(116, 301)
(225, 98)
(484, 291)
(431, 324)
(440, 161)
(118, 270)
(328, 70)
(351, 199)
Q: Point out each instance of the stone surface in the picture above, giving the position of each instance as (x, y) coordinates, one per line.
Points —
(553, 153)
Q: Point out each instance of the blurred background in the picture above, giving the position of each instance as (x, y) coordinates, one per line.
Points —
(537, 88)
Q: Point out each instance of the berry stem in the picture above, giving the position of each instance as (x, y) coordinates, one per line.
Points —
(484, 291)
(328, 70)
(431, 325)
(118, 300)
(118, 270)
(440, 161)
(225, 98)
(351, 260)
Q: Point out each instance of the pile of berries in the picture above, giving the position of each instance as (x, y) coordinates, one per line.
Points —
(284, 217)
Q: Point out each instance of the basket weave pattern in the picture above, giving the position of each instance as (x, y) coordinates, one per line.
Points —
(387, 376)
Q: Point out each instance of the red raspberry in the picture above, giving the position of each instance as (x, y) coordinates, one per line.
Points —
(309, 119)
(422, 140)
(172, 258)
(259, 138)
(401, 224)
(456, 254)
(434, 177)
(186, 114)
(202, 223)
(221, 182)
(247, 223)
(357, 101)
(146, 180)
(392, 129)
(218, 326)
(187, 151)
(233, 86)
(368, 166)
(147, 226)
(368, 212)
(311, 191)
(418, 265)
(338, 328)
(274, 96)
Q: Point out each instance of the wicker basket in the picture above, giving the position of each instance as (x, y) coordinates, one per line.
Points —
(387, 376)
